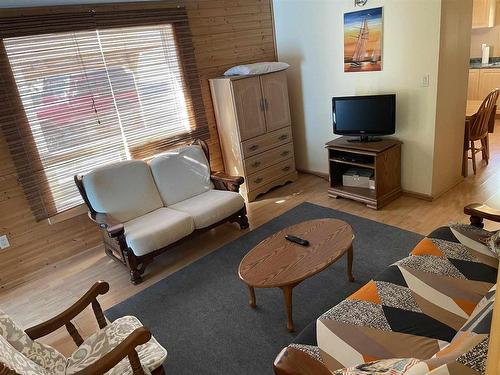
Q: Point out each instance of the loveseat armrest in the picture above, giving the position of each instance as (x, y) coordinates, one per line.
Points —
(292, 361)
(223, 181)
(114, 228)
(478, 212)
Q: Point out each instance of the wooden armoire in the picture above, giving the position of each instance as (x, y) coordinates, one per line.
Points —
(253, 122)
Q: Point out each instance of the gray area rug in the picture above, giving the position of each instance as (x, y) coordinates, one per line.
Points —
(201, 313)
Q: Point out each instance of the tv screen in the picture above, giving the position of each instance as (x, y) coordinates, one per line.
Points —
(364, 115)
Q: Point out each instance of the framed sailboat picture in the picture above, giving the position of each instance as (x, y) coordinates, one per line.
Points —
(363, 40)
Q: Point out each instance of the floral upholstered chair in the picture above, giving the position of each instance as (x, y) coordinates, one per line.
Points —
(123, 347)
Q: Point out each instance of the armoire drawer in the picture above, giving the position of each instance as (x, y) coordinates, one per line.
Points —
(265, 176)
(265, 142)
(268, 158)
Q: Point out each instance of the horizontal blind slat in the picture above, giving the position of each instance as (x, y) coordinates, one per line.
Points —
(116, 83)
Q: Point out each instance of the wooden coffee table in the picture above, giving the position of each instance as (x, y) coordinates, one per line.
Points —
(278, 263)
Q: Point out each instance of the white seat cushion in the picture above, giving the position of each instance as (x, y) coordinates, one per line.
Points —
(157, 229)
(210, 207)
(124, 190)
(152, 354)
(181, 174)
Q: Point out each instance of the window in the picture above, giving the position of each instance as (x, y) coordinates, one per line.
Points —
(93, 97)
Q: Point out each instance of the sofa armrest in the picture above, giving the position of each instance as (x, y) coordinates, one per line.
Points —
(225, 182)
(293, 361)
(478, 212)
(114, 228)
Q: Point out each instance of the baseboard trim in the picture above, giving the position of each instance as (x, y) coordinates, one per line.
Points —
(407, 193)
(324, 176)
(413, 194)
(459, 180)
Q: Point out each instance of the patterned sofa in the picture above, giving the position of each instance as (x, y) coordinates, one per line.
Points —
(429, 313)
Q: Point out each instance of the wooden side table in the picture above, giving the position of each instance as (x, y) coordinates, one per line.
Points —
(382, 157)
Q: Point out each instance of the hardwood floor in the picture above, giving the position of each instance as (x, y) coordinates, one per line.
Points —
(36, 297)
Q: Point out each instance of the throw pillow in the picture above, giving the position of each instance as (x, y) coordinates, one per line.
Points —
(256, 68)
(494, 243)
(393, 366)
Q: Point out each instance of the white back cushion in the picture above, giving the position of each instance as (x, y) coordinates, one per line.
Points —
(125, 190)
(181, 174)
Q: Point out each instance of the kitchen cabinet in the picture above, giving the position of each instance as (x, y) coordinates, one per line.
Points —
(483, 13)
(482, 82)
(473, 88)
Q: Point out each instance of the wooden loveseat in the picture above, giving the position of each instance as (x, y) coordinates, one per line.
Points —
(143, 209)
(434, 312)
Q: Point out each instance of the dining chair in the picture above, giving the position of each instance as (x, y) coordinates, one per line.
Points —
(477, 130)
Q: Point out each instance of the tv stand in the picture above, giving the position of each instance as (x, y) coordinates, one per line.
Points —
(364, 138)
(382, 157)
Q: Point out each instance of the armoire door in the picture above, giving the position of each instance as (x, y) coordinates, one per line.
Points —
(276, 105)
(249, 107)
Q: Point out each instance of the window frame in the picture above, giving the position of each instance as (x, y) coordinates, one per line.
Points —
(16, 22)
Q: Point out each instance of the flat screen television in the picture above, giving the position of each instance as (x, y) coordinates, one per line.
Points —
(364, 116)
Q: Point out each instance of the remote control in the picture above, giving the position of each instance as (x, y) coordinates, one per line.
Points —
(297, 240)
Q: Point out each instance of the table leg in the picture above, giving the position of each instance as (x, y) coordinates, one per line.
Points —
(287, 293)
(251, 300)
(349, 264)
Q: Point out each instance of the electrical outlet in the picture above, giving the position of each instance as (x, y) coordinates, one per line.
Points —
(425, 80)
(4, 242)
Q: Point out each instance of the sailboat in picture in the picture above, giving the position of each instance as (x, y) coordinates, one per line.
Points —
(360, 50)
(362, 40)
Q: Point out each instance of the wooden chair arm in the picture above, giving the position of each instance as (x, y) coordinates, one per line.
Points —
(293, 361)
(478, 212)
(225, 182)
(43, 329)
(112, 226)
(126, 348)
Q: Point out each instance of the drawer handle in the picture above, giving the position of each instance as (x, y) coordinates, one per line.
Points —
(285, 153)
(253, 147)
(256, 164)
(283, 137)
(286, 168)
(258, 180)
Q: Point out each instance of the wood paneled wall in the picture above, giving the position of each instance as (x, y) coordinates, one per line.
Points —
(225, 33)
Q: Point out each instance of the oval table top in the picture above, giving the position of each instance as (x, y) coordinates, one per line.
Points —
(276, 262)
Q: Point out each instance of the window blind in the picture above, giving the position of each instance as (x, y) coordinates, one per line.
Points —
(116, 87)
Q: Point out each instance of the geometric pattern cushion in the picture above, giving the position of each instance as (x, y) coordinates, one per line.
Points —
(480, 319)
(467, 352)
(414, 308)
(470, 362)
(15, 361)
(152, 354)
(43, 355)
